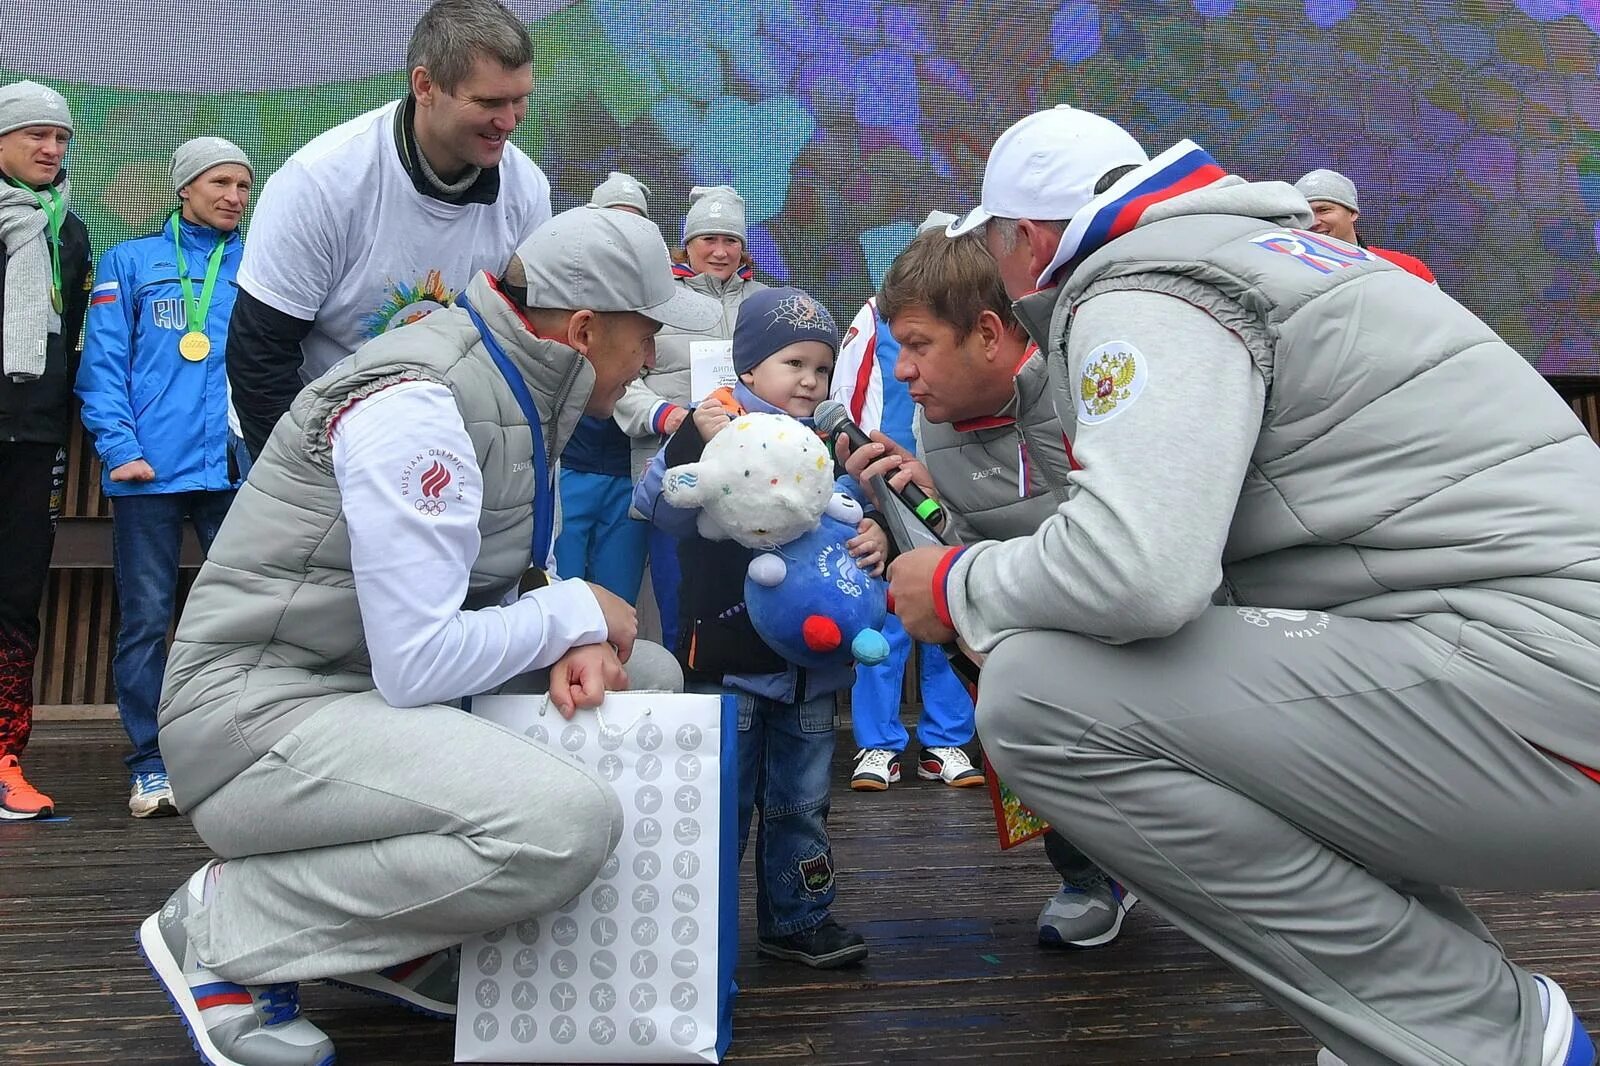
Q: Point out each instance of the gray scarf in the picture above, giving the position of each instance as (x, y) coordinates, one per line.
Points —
(28, 314)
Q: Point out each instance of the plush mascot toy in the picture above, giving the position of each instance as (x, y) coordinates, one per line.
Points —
(766, 481)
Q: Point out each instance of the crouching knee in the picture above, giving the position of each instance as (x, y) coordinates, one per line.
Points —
(568, 825)
(652, 668)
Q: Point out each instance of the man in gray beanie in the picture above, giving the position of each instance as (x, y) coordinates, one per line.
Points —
(366, 583)
(622, 192)
(1332, 197)
(44, 275)
(159, 332)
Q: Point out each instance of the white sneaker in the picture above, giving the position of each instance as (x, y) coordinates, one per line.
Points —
(876, 770)
(151, 796)
(950, 765)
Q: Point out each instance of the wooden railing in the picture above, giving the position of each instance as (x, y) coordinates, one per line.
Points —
(80, 601)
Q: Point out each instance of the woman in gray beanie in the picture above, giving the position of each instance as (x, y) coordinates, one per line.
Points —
(712, 261)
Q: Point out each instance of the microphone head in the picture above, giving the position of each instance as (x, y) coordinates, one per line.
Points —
(829, 416)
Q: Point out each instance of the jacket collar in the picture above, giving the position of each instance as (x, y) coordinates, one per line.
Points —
(1028, 383)
(483, 191)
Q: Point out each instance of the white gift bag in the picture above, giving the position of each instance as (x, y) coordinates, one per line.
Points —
(638, 967)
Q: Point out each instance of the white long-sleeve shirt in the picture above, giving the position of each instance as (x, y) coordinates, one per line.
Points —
(411, 568)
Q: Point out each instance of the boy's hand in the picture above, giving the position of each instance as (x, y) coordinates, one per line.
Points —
(711, 418)
(583, 676)
(869, 547)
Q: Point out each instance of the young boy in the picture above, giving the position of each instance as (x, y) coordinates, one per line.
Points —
(784, 346)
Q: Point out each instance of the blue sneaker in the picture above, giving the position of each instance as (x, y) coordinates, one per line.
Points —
(229, 1024)
(152, 796)
(1566, 1042)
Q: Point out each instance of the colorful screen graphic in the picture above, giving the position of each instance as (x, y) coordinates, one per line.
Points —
(1471, 127)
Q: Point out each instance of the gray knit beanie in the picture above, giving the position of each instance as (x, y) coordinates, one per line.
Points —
(714, 209)
(622, 190)
(194, 158)
(27, 103)
(1329, 185)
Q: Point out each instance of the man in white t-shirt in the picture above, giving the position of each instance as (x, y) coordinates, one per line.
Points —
(385, 218)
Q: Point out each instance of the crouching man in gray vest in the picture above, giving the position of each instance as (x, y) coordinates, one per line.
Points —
(364, 584)
(994, 456)
(1397, 691)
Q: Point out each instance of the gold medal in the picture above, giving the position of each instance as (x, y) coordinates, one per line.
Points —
(55, 299)
(194, 346)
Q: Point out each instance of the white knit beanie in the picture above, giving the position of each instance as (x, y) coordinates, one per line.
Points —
(714, 209)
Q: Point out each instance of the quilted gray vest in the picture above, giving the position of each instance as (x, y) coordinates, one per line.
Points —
(271, 632)
(1410, 464)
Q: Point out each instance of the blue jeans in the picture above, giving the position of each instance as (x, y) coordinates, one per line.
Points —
(664, 578)
(784, 752)
(947, 715)
(598, 541)
(146, 533)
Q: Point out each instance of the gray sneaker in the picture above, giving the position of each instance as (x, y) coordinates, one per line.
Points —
(426, 985)
(1085, 915)
(229, 1024)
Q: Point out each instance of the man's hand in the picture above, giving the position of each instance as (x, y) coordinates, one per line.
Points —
(622, 621)
(583, 676)
(674, 420)
(883, 456)
(911, 592)
(711, 418)
(137, 470)
(869, 547)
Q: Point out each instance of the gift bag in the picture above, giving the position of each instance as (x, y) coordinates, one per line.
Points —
(638, 967)
(1013, 819)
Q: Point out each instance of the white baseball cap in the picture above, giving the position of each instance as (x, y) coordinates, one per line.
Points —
(610, 261)
(1045, 167)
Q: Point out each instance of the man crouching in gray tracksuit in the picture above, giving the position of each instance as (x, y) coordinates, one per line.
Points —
(1398, 691)
(364, 583)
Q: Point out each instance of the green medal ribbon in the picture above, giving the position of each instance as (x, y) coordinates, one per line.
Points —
(195, 311)
(55, 213)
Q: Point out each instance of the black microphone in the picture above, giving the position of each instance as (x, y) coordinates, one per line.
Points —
(833, 418)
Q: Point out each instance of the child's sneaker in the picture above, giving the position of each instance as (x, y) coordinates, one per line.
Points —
(949, 765)
(876, 770)
(823, 947)
(229, 1024)
(426, 985)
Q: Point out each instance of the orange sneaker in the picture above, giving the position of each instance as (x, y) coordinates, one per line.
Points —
(18, 799)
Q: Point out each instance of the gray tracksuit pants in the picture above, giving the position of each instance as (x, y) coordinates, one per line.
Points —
(1291, 789)
(371, 835)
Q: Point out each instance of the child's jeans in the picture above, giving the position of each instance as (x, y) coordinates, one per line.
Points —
(784, 755)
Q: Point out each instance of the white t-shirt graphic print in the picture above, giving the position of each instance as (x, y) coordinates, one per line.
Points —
(342, 237)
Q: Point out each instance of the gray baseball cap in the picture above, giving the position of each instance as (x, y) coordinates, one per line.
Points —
(610, 261)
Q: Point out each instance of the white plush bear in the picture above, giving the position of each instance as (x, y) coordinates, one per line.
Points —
(764, 480)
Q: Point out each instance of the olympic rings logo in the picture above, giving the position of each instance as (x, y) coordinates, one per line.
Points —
(431, 508)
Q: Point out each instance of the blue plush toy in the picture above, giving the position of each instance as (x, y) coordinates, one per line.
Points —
(811, 603)
(766, 481)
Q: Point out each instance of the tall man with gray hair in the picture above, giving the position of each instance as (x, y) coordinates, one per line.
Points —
(381, 220)
(44, 275)
(1316, 631)
(365, 584)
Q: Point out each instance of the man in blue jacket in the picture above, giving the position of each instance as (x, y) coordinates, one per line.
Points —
(154, 386)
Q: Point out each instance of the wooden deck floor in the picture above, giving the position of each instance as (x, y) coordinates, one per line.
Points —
(954, 974)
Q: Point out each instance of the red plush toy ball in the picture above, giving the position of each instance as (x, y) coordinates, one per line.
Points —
(821, 634)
